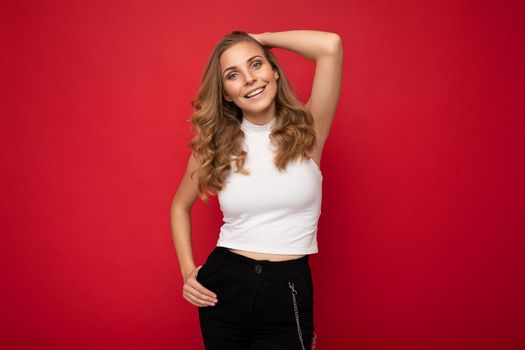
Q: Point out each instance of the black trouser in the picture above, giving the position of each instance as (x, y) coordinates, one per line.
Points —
(256, 308)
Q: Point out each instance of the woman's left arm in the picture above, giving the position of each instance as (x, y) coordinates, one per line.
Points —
(326, 49)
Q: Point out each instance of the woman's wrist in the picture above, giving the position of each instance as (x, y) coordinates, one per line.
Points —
(263, 40)
(187, 271)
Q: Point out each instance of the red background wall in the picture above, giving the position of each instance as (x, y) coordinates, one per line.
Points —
(421, 233)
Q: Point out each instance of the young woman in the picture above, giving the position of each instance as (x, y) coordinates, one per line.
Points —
(259, 149)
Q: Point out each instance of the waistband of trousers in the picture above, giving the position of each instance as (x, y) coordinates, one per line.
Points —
(223, 255)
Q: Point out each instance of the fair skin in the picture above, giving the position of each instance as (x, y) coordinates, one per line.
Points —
(327, 52)
(244, 69)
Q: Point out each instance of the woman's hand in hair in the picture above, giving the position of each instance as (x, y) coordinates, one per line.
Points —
(259, 37)
(196, 293)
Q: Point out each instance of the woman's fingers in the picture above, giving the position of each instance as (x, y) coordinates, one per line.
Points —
(195, 284)
(202, 290)
(196, 293)
(196, 301)
(255, 36)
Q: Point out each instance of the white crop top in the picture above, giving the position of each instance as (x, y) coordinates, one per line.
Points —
(269, 211)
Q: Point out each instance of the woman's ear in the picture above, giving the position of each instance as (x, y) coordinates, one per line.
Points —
(276, 75)
(227, 98)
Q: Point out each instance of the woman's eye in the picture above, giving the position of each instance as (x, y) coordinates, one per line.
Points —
(233, 74)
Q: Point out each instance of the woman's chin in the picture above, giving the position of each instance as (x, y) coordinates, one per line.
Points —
(256, 110)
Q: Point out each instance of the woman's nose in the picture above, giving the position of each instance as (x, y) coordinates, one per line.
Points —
(249, 78)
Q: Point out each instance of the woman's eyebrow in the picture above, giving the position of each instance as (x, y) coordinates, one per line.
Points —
(248, 60)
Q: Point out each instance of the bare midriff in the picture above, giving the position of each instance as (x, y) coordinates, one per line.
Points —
(265, 256)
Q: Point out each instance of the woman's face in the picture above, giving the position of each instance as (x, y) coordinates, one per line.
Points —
(244, 69)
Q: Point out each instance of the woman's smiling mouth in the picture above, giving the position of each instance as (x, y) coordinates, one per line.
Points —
(255, 94)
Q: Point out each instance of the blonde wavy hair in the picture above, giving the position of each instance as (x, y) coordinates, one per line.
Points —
(216, 123)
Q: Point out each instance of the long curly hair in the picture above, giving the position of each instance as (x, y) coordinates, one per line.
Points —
(216, 123)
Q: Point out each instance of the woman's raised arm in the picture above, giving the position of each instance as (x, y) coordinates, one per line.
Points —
(326, 49)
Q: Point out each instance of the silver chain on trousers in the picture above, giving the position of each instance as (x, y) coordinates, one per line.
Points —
(294, 292)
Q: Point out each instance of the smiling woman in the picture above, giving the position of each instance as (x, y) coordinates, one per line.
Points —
(258, 148)
(245, 77)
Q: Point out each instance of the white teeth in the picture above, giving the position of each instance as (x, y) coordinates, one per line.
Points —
(255, 92)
